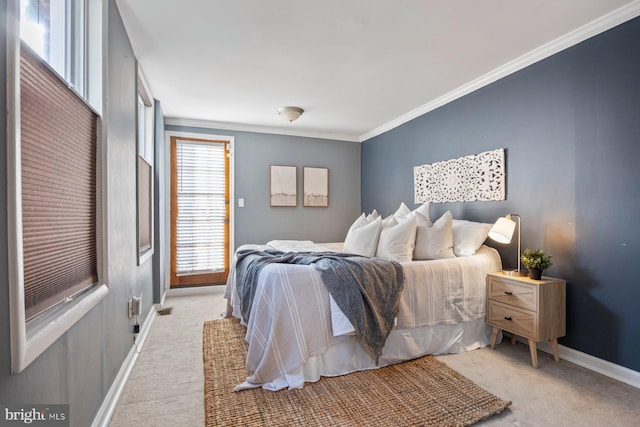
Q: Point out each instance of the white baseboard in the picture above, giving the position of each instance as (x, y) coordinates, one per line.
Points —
(110, 401)
(160, 305)
(195, 290)
(611, 370)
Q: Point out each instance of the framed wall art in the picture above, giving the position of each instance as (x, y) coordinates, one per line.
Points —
(284, 186)
(315, 182)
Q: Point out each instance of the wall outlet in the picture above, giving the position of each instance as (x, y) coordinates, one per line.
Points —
(135, 306)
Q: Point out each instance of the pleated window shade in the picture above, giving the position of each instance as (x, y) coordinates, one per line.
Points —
(58, 148)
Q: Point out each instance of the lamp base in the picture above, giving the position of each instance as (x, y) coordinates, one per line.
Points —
(519, 273)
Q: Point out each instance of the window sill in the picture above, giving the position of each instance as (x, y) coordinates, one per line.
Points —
(30, 342)
(144, 256)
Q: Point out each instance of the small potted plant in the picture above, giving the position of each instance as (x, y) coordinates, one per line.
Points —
(535, 261)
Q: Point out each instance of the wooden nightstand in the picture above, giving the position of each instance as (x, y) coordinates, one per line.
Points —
(534, 309)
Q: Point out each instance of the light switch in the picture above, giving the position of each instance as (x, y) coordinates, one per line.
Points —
(241, 203)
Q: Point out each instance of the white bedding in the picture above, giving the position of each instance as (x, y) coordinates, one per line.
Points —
(340, 325)
(295, 335)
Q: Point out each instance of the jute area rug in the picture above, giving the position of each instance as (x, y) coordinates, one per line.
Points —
(422, 392)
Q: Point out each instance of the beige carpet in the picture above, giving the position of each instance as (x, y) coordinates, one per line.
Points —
(165, 388)
(424, 392)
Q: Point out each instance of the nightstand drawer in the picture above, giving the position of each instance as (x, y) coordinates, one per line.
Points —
(513, 293)
(512, 319)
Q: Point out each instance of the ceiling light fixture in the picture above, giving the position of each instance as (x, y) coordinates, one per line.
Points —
(290, 113)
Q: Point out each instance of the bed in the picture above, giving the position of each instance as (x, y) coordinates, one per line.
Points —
(296, 333)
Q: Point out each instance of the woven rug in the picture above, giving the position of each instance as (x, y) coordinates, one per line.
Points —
(421, 392)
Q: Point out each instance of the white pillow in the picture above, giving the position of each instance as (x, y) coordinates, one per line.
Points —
(373, 215)
(390, 220)
(362, 238)
(468, 236)
(401, 212)
(434, 241)
(361, 220)
(423, 210)
(397, 240)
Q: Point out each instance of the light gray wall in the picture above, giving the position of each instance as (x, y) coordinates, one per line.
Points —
(79, 368)
(257, 222)
(571, 129)
(126, 279)
(5, 337)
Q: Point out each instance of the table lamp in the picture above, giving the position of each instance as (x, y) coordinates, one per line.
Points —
(502, 232)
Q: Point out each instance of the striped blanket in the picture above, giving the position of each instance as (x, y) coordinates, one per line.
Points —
(367, 290)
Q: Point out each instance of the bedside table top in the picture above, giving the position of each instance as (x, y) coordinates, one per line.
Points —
(525, 279)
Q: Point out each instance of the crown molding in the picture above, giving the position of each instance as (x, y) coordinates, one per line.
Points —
(206, 124)
(591, 29)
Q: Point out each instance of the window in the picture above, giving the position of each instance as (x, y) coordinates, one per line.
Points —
(145, 171)
(52, 175)
(59, 32)
(55, 30)
(200, 211)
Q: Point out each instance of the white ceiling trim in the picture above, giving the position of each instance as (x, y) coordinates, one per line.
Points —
(206, 124)
(600, 25)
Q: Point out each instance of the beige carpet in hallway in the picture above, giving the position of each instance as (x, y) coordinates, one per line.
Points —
(166, 385)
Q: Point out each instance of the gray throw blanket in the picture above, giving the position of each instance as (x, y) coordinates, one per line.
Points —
(367, 290)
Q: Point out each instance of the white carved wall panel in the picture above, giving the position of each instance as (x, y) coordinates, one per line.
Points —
(466, 179)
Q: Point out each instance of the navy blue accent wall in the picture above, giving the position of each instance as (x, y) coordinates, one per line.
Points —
(570, 125)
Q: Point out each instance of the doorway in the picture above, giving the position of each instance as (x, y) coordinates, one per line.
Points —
(199, 211)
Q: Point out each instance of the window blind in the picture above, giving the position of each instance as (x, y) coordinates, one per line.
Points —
(201, 199)
(58, 150)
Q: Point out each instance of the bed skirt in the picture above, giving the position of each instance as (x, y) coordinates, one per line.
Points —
(402, 344)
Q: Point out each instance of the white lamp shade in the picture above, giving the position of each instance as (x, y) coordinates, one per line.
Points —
(502, 230)
(290, 113)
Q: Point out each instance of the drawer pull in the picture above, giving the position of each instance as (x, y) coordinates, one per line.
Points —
(508, 292)
(507, 318)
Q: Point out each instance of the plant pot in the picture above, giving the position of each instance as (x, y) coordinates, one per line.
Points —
(535, 273)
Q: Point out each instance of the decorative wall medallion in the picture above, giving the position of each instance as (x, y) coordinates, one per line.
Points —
(466, 179)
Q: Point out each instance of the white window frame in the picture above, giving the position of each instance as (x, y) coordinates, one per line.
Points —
(68, 51)
(146, 125)
(144, 139)
(31, 338)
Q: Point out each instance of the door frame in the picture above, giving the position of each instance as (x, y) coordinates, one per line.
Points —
(230, 140)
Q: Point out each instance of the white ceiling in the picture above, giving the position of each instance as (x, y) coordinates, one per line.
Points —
(357, 67)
